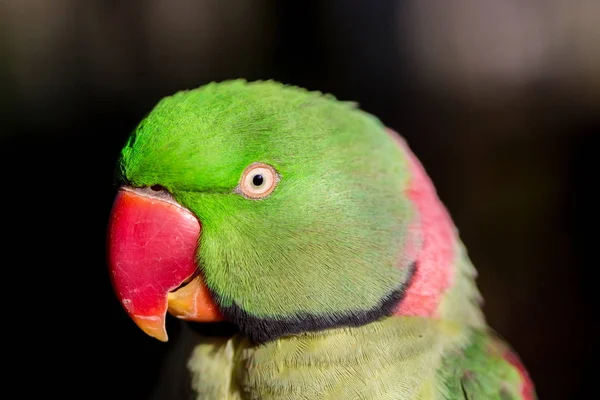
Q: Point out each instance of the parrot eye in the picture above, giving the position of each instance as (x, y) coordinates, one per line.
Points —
(258, 181)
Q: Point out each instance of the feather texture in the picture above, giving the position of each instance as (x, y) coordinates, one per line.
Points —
(349, 281)
(395, 358)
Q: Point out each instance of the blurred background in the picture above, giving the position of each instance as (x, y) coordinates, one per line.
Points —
(499, 99)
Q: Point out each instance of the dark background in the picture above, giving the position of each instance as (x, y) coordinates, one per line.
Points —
(500, 101)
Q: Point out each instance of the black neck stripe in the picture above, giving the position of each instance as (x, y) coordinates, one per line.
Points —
(262, 330)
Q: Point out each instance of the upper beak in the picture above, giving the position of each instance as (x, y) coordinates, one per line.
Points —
(152, 247)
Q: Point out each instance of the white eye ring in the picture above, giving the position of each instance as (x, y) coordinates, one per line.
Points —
(258, 181)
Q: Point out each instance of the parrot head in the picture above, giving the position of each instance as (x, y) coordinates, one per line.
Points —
(274, 208)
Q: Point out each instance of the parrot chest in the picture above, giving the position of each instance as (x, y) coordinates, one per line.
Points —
(383, 360)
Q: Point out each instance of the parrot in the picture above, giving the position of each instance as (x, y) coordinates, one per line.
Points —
(310, 230)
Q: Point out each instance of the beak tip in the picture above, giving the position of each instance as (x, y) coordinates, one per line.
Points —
(152, 326)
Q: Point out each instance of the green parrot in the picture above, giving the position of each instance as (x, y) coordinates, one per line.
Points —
(314, 232)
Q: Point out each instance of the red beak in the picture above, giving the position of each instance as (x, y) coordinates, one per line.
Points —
(152, 247)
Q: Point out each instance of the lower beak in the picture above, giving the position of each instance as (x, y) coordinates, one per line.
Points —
(152, 247)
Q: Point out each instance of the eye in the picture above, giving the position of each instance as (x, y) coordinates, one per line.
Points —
(258, 181)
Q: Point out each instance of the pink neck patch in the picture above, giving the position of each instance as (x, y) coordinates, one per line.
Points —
(434, 262)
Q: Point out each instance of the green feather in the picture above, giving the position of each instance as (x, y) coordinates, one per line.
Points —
(409, 358)
(395, 358)
(336, 212)
(481, 370)
(328, 241)
(462, 301)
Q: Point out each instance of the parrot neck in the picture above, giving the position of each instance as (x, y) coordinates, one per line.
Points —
(372, 359)
(443, 284)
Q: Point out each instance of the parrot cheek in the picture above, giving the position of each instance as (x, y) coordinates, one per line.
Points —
(152, 245)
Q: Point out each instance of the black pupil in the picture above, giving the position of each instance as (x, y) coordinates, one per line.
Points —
(257, 180)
